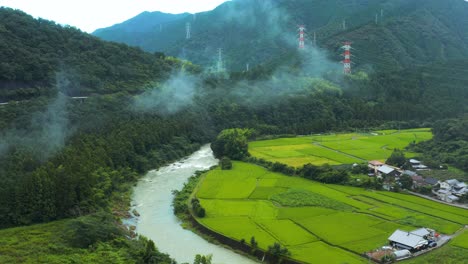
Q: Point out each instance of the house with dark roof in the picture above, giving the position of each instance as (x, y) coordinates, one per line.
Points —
(431, 181)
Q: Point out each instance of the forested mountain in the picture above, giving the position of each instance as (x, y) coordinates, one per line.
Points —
(36, 55)
(387, 33)
(136, 29)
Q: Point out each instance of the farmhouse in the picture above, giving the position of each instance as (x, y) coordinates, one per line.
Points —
(451, 190)
(448, 184)
(374, 165)
(387, 171)
(408, 240)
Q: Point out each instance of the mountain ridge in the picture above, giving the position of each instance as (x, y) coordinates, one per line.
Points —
(269, 27)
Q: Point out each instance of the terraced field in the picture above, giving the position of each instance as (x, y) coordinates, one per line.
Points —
(337, 149)
(323, 223)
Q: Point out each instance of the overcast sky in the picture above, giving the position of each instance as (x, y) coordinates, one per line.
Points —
(89, 15)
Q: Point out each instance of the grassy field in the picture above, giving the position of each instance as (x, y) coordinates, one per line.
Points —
(316, 222)
(44, 243)
(337, 149)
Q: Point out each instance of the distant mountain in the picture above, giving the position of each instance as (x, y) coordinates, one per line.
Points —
(138, 27)
(395, 32)
(39, 57)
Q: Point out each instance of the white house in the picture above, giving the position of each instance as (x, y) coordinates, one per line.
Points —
(387, 170)
(407, 240)
(452, 190)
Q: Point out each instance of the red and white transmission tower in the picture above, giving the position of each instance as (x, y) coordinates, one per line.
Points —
(301, 37)
(347, 57)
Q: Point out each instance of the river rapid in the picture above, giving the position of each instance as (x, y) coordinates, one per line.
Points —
(152, 198)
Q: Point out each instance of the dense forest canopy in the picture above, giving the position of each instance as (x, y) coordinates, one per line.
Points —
(39, 57)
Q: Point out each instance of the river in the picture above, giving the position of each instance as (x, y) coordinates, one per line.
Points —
(152, 199)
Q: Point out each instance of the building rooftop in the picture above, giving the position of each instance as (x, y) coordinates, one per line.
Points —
(376, 163)
(431, 181)
(420, 167)
(414, 161)
(386, 169)
(410, 173)
(407, 239)
(421, 232)
(452, 182)
(443, 191)
(417, 178)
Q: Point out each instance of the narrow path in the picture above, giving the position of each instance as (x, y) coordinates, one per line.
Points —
(343, 153)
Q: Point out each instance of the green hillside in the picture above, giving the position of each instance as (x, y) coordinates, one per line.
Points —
(136, 29)
(39, 57)
(414, 31)
(91, 239)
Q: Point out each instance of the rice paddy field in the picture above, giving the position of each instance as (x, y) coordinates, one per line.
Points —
(338, 148)
(318, 223)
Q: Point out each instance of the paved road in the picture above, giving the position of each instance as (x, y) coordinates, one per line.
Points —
(439, 201)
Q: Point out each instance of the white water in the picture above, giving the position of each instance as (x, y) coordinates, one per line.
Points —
(152, 199)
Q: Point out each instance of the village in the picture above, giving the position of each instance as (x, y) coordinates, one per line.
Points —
(448, 191)
(407, 244)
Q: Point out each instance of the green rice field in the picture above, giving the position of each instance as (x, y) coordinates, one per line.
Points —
(318, 223)
(337, 149)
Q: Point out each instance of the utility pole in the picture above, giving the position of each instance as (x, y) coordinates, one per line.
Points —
(301, 37)
(347, 58)
(187, 30)
(315, 39)
(220, 67)
(247, 67)
(376, 19)
(381, 14)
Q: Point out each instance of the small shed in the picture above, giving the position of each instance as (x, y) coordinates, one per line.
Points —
(400, 254)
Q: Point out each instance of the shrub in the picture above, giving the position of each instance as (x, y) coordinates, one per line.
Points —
(226, 163)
